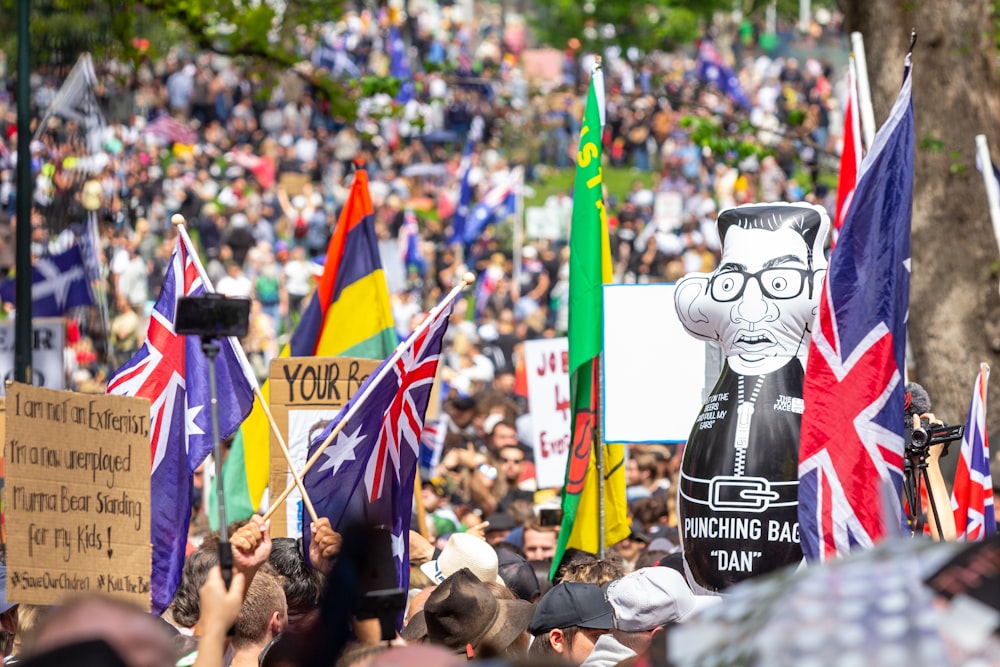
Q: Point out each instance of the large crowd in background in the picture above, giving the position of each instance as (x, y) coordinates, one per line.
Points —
(260, 169)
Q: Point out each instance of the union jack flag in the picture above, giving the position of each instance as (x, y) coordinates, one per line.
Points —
(366, 475)
(972, 496)
(852, 428)
(172, 372)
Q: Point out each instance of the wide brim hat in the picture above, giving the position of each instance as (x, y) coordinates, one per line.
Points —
(463, 613)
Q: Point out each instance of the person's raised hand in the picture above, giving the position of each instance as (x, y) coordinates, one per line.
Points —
(421, 550)
(324, 546)
(251, 545)
(220, 607)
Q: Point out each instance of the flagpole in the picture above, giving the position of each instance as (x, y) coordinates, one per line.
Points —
(518, 237)
(864, 90)
(178, 221)
(599, 449)
(990, 181)
(598, 384)
(468, 279)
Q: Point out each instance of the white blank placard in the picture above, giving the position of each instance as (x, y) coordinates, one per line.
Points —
(654, 371)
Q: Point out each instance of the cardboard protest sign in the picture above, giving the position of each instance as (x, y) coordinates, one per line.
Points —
(306, 393)
(77, 495)
(48, 341)
(547, 365)
(654, 371)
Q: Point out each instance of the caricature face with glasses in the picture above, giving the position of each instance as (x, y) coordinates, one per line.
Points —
(760, 302)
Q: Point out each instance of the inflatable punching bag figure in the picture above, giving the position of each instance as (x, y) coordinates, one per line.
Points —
(738, 499)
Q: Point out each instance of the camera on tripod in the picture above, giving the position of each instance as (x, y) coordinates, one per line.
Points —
(921, 435)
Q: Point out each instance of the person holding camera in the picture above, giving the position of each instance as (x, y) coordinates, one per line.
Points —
(927, 440)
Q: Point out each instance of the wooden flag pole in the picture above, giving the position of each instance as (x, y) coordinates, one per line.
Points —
(418, 503)
(178, 221)
(468, 279)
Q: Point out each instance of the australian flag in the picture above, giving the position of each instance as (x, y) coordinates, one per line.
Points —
(852, 428)
(432, 444)
(399, 66)
(972, 496)
(172, 372)
(365, 476)
(58, 283)
(461, 215)
(499, 203)
(712, 68)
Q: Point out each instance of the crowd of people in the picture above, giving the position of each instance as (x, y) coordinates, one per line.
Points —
(260, 172)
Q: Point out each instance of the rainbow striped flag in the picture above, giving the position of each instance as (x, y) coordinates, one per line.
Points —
(349, 315)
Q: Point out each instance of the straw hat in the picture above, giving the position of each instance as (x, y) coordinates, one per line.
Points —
(464, 551)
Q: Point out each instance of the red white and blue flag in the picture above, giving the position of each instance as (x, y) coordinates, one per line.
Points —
(972, 495)
(366, 475)
(462, 210)
(432, 444)
(499, 203)
(850, 156)
(712, 68)
(852, 428)
(172, 372)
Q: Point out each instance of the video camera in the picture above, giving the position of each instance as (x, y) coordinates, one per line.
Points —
(920, 435)
(923, 434)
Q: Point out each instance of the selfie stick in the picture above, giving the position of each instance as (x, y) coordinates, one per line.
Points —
(211, 350)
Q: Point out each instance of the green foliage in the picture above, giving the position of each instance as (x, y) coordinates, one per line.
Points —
(734, 142)
(657, 25)
(59, 30)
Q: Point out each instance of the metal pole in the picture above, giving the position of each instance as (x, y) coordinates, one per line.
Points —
(22, 239)
(599, 450)
(211, 350)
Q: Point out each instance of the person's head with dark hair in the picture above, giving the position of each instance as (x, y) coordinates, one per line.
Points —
(507, 546)
(649, 511)
(518, 575)
(186, 606)
(541, 569)
(650, 558)
(571, 555)
(301, 583)
(568, 620)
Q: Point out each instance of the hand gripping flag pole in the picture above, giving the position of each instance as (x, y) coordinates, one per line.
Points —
(178, 221)
(359, 400)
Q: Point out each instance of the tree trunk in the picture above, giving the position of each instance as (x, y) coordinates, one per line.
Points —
(954, 304)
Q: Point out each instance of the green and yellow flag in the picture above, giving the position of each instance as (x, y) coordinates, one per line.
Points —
(589, 270)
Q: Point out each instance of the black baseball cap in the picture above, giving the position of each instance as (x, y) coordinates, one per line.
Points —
(572, 604)
(500, 521)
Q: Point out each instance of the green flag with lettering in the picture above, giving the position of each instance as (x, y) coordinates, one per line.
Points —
(589, 270)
